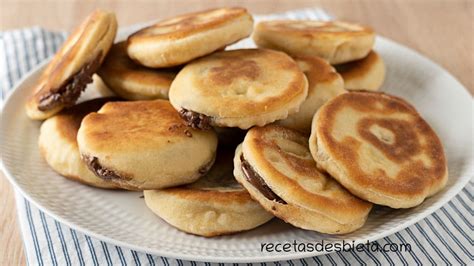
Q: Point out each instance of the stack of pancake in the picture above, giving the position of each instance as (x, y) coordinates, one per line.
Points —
(222, 141)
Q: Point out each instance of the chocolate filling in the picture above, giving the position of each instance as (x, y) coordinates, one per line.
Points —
(257, 181)
(68, 93)
(100, 171)
(195, 120)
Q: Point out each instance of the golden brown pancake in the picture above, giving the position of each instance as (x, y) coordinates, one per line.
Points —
(378, 147)
(324, 83)
(367, 73)
(336, 41)
(58, 145)
(275, 165)
(238, 88)
(214, 205)
(144, 145)
(72, 67)
(132, 81)
(178, 40)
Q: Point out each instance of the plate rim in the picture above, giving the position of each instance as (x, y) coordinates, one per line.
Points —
(456, 188)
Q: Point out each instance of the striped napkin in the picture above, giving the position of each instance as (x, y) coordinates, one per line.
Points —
(444, 237)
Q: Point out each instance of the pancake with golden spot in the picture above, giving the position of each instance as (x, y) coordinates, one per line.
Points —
(214, 205)
(58, 144)
(239, 88)
(144, 145)
(379, 147)
(178, 40)
(324, 83)
(132, 81)
(336, 41)
(72, 67)
(275, 165)
(367, 73)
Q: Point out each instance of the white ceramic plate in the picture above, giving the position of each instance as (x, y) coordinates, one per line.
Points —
(122, 218)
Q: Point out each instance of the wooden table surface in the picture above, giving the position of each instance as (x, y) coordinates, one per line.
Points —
(441, 30)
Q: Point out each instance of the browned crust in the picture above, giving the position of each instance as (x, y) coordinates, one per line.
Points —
(61, 59)
(69, 91)
(114, 115)
(69, 120)
(414, 179)
(303, 217)
(318, 70)
(224, 75)
(307, 167)
(124, 127)
(358, 68)
(118, 66)
(204, 195)
(284, 27)
(68, 135)
(185, 24)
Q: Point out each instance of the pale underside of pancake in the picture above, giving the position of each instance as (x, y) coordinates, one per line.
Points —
(145, 145)
(58, 145)
(214, 205)
(132, 81)
(309, 199)
(378, 147)
(324, 83)
(367, 73)
(336, 41)
(179, 40)
(240, 88)
(101, 87)
(71, 68)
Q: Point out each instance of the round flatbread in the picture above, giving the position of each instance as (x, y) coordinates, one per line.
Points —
(367, 73)
(324, 83)
(214, 205)
(144, 145)
(378, 147)
(275, 165)
(336, 41)
(72, 67)
(238, 88)
(132, 81)
(178, 40)
(58, 145)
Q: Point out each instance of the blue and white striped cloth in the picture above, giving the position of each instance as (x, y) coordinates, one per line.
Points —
(444, 237)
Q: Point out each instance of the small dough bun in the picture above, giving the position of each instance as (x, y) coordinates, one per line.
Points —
(72, 67)
(58, 144)
(336, 41)
(214, 205)
(302, 195)
(378, 147)
(144, 145)
(178, 40)
(367, 73)
(324, 83)
(132, 81)
(240, 88)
